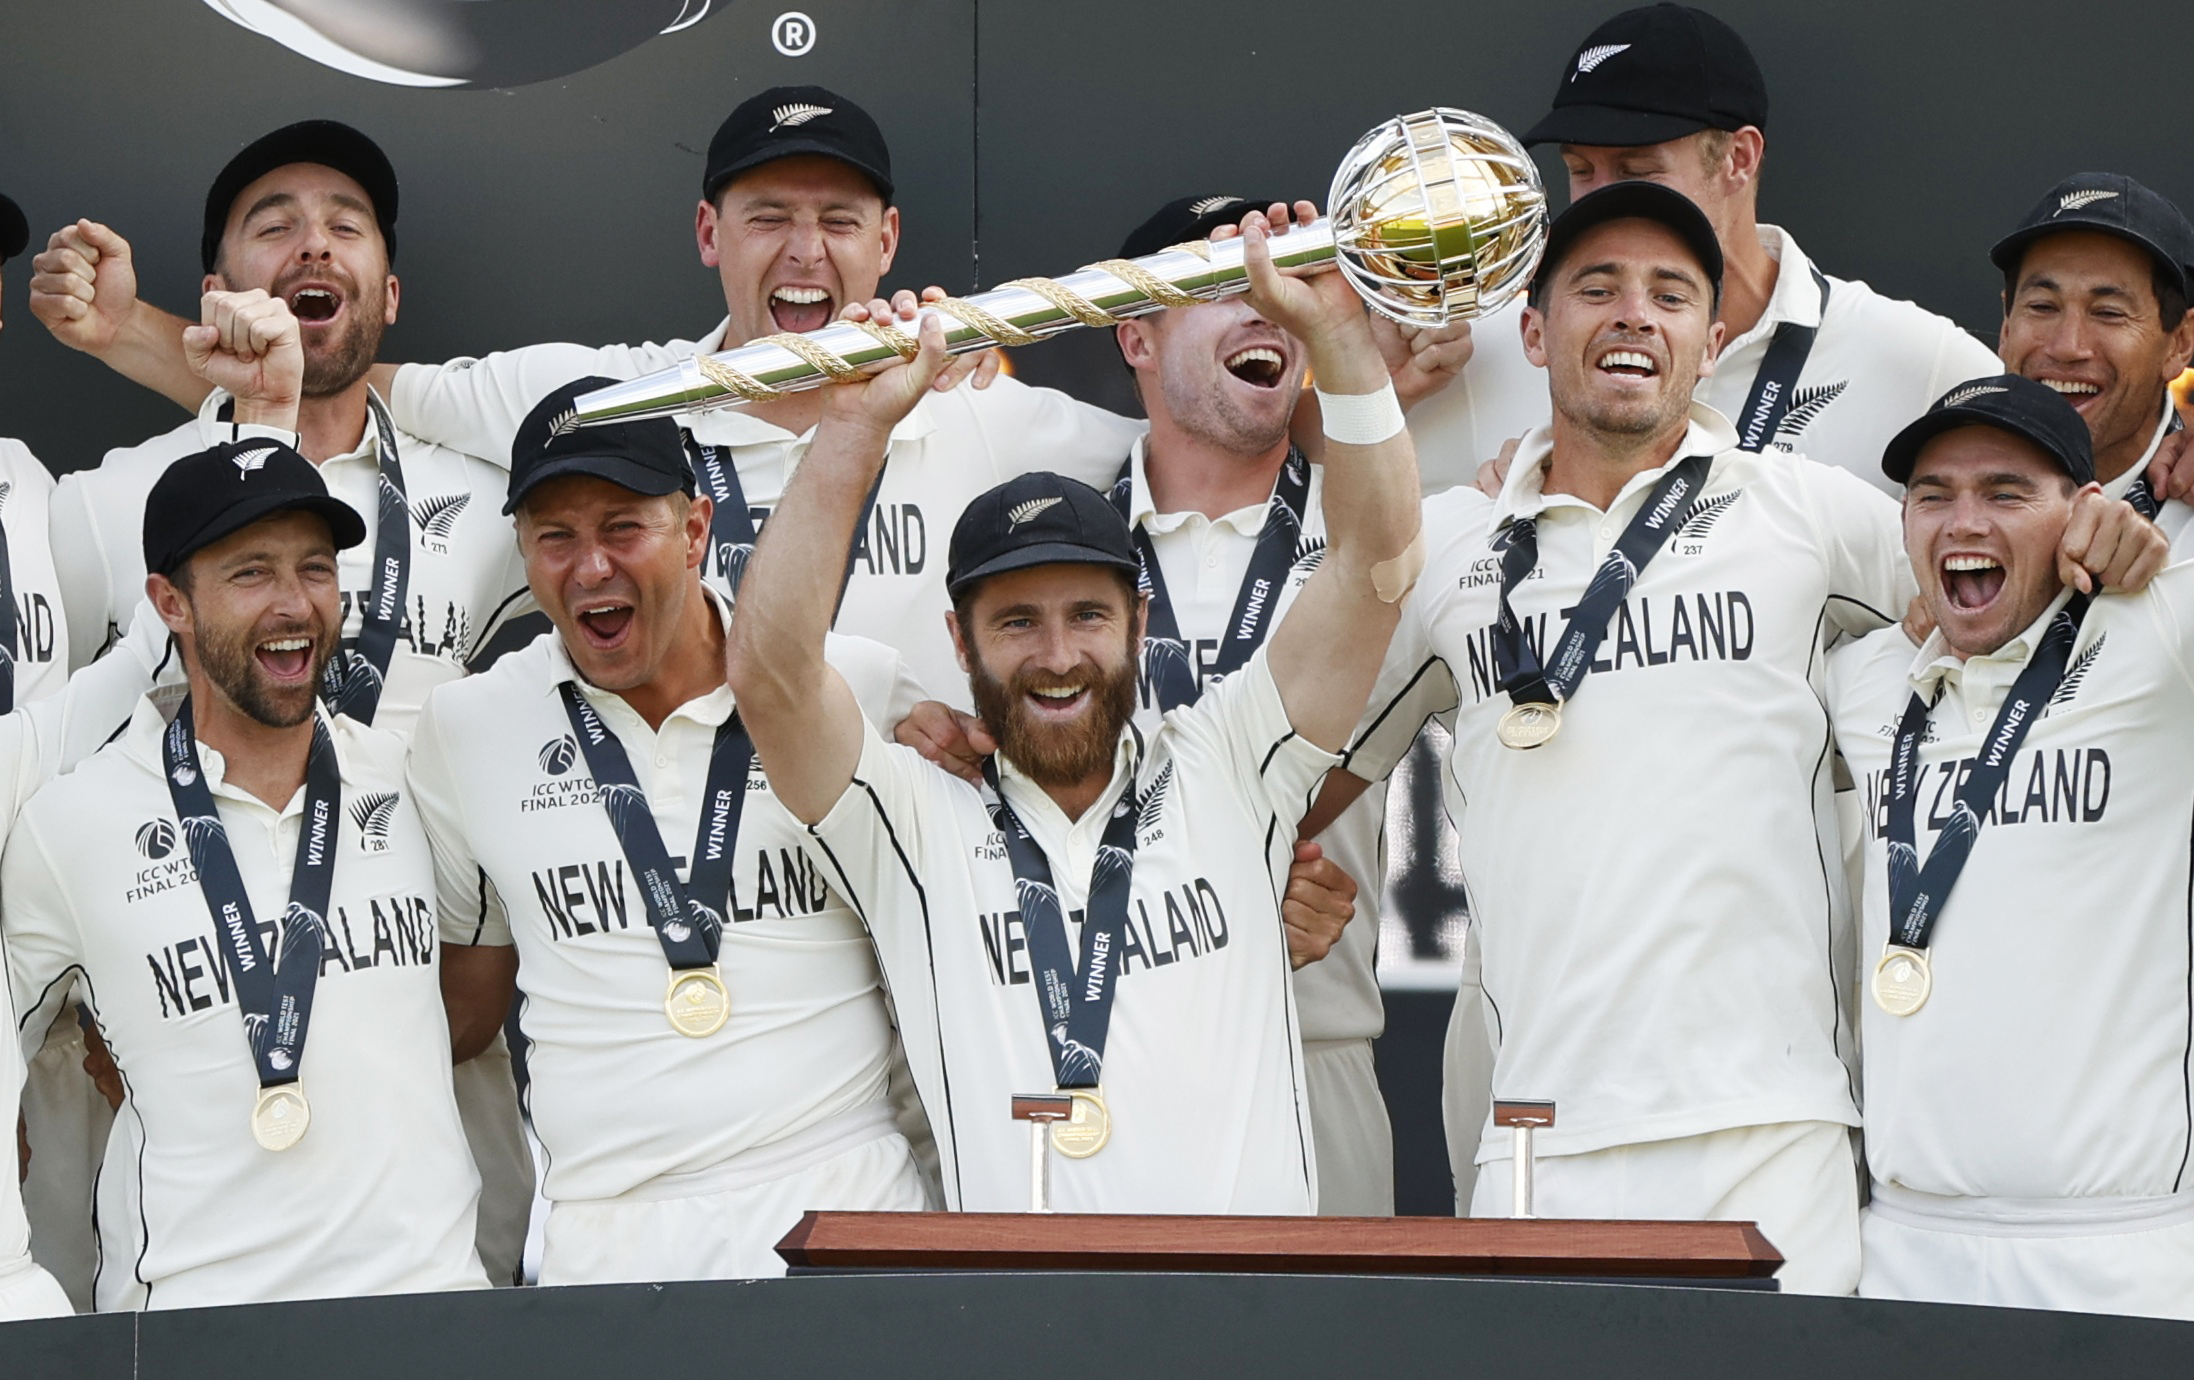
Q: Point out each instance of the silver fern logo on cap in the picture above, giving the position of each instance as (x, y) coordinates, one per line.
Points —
(2073, 201)
(1591, 58)
(790, 116)
(567, 421)
(247, 461)
(1966, 395)
(1210, 204)
(1025, 512)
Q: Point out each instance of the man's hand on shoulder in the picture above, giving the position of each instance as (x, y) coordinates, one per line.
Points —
(249, 344)
(955, 741)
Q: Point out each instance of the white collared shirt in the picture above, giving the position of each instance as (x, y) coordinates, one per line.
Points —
(1204, 561)
(41, 650)
(1203, 1065)
(379, 1196)
(525, 854)
(1654, 890)
(1876, 364)
(951, 448)
(2051, 1059)
(465, 581)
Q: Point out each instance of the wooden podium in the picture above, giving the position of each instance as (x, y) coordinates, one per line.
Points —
(1725, 1254)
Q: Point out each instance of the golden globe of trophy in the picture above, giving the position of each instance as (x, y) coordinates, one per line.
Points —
(1435, 217)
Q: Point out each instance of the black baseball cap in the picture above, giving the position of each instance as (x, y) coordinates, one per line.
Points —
(329, 143)
(202, 498)
(1654, 74)
(2007, 402)
(2115, 205)
(786, 120)
(14, 230)
(1190, 218)
(1626, 201)
(1037, 519)
(646, 457)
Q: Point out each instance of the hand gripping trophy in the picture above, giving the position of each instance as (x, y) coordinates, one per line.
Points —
(1435, 217)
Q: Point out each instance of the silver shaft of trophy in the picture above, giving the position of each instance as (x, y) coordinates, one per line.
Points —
(1206, 272)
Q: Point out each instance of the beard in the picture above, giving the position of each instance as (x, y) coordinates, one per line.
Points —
(1215, 415)
(231, 664)
(339, 361)
(1057, 754)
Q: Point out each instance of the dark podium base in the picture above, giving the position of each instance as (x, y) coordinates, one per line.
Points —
(1716, 1253)
(1274, 1327)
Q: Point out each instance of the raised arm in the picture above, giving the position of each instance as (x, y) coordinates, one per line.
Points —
(1326, 652)
(84, 288)
(802, 716)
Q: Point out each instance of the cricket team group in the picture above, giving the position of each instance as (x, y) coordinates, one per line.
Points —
(915, 753)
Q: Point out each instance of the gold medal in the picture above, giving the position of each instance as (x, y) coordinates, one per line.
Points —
(1526, 726)
(696, 1002)
(1902, 980)
(1085, 1132)
(281, 1116)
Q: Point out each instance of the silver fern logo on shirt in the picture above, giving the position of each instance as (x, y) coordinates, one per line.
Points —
(437, 519)
(372, 813)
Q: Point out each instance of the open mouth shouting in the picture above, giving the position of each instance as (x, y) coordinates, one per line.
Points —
(606, 624)
(315, 304)
(286, 660)
(2081, 393)
(1260, 366)
(1627, 364)
(800, 308)
(1971, 581)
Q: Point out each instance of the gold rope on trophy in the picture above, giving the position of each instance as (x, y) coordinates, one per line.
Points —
(1434, 217)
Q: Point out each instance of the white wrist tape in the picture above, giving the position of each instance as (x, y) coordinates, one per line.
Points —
(1360, 419)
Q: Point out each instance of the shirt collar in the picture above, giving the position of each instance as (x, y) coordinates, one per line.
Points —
(148, 725)
(2116, 488)
(1143, 509)
(212, 429)
(1025, 795)
(1936, 663)
(732, 426)
(712, 708)
(1524, 495)
(1796, 298)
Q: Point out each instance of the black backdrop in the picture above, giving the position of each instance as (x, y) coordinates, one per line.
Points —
(1027, 137)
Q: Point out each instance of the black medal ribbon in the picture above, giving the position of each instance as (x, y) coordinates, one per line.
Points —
(1521, 675)
(688, 917)
(356, 676)
(1174, 681)
(10, 646)
(731, 525)
(274, 992)
(1777, 382)
(2139, 494)
(1074, 1000)
(1917, 894)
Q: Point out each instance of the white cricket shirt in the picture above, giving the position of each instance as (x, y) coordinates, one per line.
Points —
(951, 448)
(2051, 1059)
(1204, 561)
(379, 1196)
(2171, 514)
(1876, 364)
(525, 854)
(1653, 890)
(466, 577)
(1203, 1062)
(41, 650)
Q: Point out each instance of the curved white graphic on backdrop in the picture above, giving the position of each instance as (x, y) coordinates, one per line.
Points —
(476, 43)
